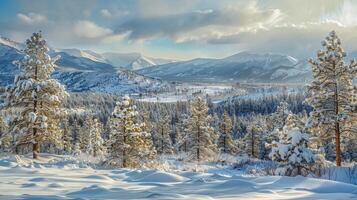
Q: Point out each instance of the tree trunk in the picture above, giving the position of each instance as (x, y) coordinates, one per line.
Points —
(124, 152)
(338, 144)
(198, 142)
(337, 130)
(35, 146)
(224, 139)
(162, 140)
(252, 144)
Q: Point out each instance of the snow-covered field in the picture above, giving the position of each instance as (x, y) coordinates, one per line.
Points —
(65, 177)
(185, 92)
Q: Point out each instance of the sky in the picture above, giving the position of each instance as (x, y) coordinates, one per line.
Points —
(183, 29)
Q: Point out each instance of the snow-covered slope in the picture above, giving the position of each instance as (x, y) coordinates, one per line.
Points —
(80, 71)
(85, 53)
(245, 66)
(66, 177)
(133, 61)
(7, 42)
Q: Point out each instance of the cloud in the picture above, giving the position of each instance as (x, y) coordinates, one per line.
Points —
(106, 13)
(88, 29)
(301, 40)
(31, 18)
(200, 23)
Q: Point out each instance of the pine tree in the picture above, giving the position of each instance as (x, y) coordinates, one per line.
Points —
(162, 137)
(130, 145)
(182, 135)
(292, 149)
(202, 136)
(76, 133)
(225, 141)
(35, 98)
(276, 122)
(331, 93)
(253, 140)
(85, 141)
(91, 137)
(66, 137)
(96, 138)
(5, 138)
(280, 115)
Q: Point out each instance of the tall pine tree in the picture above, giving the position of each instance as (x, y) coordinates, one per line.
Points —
(130, 145)
(202, 136)
(162, 137)
(331, 94)
(35, 98)
(226, 143)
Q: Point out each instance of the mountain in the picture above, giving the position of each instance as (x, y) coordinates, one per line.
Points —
(84, 53)
(80, 71)
(241, 67)
(133, 61)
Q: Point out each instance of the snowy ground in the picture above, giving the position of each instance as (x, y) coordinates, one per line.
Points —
(185, 92)
(59, 177)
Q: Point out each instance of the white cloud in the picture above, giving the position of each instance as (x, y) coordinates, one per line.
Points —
(31, 18)
(106, 13)
(198, 24)
(88, 29)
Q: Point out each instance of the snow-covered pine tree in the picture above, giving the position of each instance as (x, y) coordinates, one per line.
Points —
(66, 137)
(130, 145)
(331, 94)
(91, 137)
(163, 143)
(226, 143)
(5, 138)
(76, 134)
(292, 150)
(202, 136)
(35, 98)
(182, 135)
(85, 141)
(253, 140)
(77, 149)
(278, 120)
(96, 138)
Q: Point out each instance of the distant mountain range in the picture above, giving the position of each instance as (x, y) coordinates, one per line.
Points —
(84, 70)
(241, 67)
(81, 71)
(132, 61)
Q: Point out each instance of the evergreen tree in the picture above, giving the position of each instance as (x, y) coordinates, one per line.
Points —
(253, 140)
(202, 136)
(182, 135)
(280, 115)
(96, 138)
(5, 138)
(91, 137)
(76, 133)
(292, 149)
(331, 94)
(130, 145)
(66, 137)
(225, 141)
(35, 98)
(162, 137)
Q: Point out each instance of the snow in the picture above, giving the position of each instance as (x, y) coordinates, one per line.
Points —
(66, 177)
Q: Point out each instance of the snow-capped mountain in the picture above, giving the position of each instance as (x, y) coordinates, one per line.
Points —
(84, 53)
(244, 66)
(133, 61)
(80, 71)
